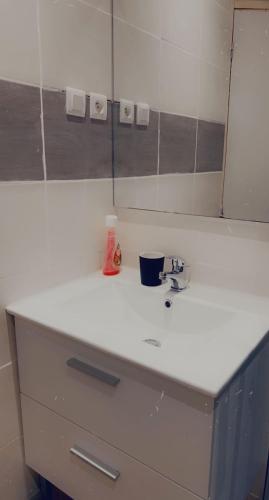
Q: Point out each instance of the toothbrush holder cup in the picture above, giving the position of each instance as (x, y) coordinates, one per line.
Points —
(151, 265)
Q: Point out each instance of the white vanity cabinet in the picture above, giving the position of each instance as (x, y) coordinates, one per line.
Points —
(100, 428)
(48, 441)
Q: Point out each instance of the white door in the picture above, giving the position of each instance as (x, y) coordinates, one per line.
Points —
(246, 188)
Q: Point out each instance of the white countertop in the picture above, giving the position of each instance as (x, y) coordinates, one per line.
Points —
(98, 311)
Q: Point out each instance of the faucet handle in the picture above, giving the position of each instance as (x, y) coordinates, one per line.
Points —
(177, 263)
(162, 277)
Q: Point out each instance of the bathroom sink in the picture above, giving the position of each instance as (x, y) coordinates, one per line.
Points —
(200, 341)
(139, 310)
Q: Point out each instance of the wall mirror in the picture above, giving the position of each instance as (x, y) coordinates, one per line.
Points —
(190, 127)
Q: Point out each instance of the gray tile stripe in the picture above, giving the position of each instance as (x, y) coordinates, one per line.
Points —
(177, 144)
(20, 133)
(136, 149)
(75, 149)
(82, 149)
(210, 146)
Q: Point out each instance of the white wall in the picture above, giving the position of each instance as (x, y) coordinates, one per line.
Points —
(50, 232)
(175, 55)
(63, 42)
(232, 254)
(194, 194)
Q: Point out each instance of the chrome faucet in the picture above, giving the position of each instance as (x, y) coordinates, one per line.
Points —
(175, 275)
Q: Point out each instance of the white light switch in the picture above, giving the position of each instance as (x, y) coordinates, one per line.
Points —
(75, 102)
(142, 114)
(126, 111)
(98, 106)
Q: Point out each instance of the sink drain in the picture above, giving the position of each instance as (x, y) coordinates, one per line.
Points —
(153, 342)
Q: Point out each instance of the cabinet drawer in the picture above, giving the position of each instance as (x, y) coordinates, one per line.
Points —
(159, 423)
(85, 467)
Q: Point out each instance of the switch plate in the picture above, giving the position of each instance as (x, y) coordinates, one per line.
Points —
(126, 111)
(75, 102)
(98, 107)
(142, 114)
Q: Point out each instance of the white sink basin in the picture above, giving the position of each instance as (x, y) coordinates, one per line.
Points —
(115, 304)
(200, 341)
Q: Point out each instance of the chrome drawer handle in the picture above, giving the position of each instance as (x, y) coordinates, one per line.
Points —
(94, 462)
(92, 371)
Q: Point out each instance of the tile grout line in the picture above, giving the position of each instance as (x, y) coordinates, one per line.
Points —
(157, 192)
(194, 184)
(94, 7)
(198, 109)
(6, 365)
(163, 40)
(41, 90)
(46, 205)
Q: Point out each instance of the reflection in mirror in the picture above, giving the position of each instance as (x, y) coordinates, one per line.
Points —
(174, 56)
(247, 167)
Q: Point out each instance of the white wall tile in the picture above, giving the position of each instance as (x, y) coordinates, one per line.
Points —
(76, 46)
(217, 25)
(219, 251)
(16, 482)
(175, 193)
(125, 191)
(207, 194)
(214, 93)
(19, 59)
(22, 222)
(137, 65)
(13, 288)
(179, 85)
(195, 194)
(181, 23)
(76, 219)
(69, 239)
(146, 189)
(100, 203)
(182, 193)
(144, 14)
(193, 63)
(136, 192)
(67, 223)
(9, 418)
(104, 5)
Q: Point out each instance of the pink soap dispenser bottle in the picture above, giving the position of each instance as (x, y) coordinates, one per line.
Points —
(112, 260)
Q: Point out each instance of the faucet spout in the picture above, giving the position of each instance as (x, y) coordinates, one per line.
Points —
(175, 275)
(175, 284)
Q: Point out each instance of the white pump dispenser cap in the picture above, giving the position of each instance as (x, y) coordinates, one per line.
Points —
(111, 220)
